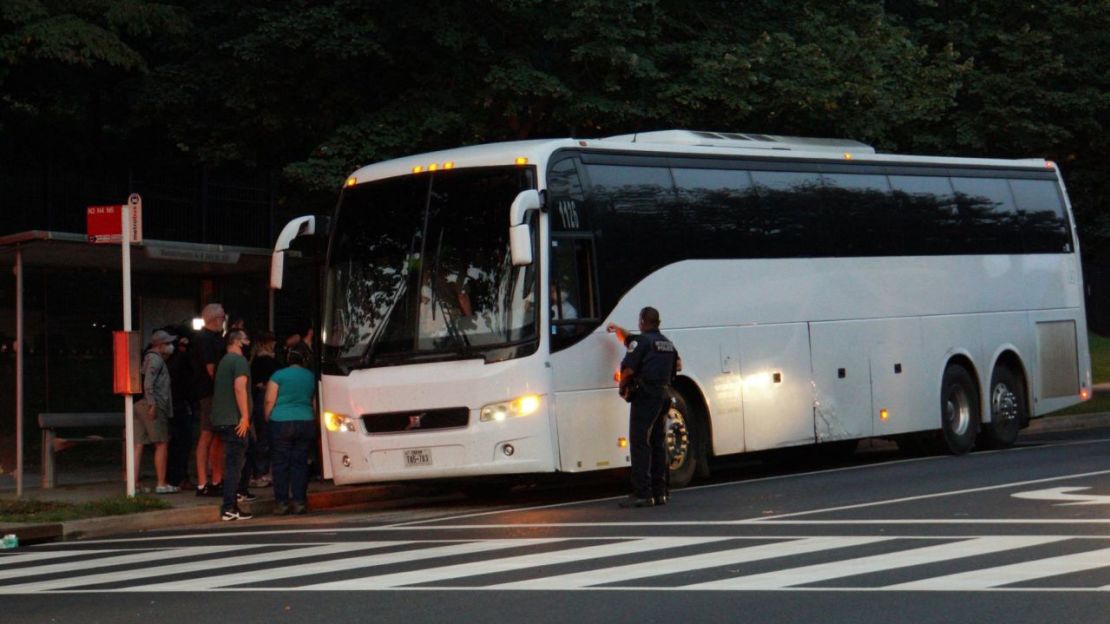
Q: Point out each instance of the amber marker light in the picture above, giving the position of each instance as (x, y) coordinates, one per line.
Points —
(622, 442)
(521, 160)
(1048, 164)
(418, 169)
(617, 376)
(883, 414)
(450, 164)
(351, 181)
(847, 156)
(1084, 394)
(433, 166)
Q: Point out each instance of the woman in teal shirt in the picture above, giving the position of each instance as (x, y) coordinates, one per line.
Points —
(290, 408)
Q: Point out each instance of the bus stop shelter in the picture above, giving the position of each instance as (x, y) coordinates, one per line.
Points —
(79, 289)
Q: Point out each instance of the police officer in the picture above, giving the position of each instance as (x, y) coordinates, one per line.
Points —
(646, 373)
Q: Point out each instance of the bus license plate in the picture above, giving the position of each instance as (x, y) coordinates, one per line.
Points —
(418, 457)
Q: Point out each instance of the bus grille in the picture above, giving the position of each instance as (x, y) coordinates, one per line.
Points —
(404, 422)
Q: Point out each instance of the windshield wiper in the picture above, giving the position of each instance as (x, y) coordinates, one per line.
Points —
(456, 334)
(379, 331)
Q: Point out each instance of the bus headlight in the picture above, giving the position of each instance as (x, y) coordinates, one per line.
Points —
(339, 422)
(523, 406)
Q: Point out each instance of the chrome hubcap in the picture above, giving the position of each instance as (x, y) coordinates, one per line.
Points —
(1004, 404)
(957, 411)
(678, 439)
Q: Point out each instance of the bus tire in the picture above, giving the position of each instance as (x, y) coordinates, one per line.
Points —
(683, 440)
(1008, 410)
(959, 410)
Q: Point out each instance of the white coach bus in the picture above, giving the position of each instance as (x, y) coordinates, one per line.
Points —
(818, 292)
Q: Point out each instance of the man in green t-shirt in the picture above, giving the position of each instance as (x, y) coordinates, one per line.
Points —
(231, 418)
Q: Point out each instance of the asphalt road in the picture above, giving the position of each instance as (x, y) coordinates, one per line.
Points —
(1021, 535)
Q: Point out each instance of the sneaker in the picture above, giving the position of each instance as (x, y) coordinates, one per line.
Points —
(202, 490)
(261, 482)
(215, 490)
(281, 509)
(167, 489)
(235, 514)
(245, 497)
(298, 509)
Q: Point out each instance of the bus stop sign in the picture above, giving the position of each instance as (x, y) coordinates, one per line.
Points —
(103, 224)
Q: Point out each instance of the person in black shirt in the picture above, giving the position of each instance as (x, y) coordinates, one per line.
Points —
(207, 353)
(183, 390)
(646, 374)
(263, 365)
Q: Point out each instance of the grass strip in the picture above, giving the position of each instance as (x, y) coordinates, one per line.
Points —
(47, 511)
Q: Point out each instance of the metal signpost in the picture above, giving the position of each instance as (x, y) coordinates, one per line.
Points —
(104, 227)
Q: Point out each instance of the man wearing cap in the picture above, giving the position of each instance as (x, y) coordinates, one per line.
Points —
(152, 414)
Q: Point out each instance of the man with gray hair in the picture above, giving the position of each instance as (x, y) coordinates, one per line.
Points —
(209, 350)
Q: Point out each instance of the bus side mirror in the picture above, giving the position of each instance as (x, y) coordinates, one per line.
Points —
(520, 244)
(520, 233)
(301, 226)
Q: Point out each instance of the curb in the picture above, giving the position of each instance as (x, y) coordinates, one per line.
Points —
(1066, 423)
(105, 526)
(342, 496)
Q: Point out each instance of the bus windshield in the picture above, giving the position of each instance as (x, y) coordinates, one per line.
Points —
(419, 270)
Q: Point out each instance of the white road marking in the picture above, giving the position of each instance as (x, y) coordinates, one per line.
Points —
(1065, 494)
(1014, 573)
(876, 563)
(50, 554)
(507, 564)
(337, 565)
(762, 480)
(179, 568)
(760, 520)
(330, 558)
(674, 565)
(906, 499)
(103, 562)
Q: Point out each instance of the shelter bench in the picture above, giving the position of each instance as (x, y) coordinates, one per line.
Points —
(56, 424)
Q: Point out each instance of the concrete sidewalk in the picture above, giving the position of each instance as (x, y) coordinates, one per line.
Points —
(189, 509)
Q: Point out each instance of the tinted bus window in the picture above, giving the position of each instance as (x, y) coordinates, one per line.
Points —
(564, 188)
(988, 214)
(927, 216)
(796, 223)
(637, 215)
(1044, 222)
(863, 214)
(722, 213)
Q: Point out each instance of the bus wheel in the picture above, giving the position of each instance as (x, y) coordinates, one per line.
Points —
(683, 441)
(959, 410)
(1008, 411)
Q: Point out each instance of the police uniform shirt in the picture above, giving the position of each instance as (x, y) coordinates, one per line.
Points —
(651, 357)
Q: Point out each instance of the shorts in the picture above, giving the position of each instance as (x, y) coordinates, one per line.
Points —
(205, 411)
(149, 431)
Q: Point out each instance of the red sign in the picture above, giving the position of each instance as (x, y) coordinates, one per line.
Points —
(103, 223)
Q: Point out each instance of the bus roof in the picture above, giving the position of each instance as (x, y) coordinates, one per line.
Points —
(679, 142)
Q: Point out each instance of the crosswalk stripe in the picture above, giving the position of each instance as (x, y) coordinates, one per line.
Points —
(359, 565)
(336, 565)
(6, 560)
(179, 568)
(521, 562)
(876, 563)
(692, 562)
(986, 578)
(103, 562)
